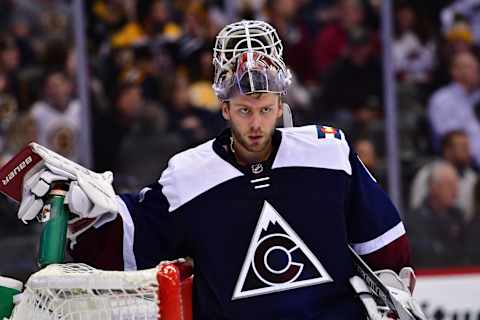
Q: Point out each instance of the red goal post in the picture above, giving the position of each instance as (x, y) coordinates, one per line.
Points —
(175, 290)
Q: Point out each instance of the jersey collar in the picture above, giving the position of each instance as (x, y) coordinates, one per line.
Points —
(221, 146)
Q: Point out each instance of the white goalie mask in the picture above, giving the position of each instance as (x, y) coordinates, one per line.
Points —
(248, 58)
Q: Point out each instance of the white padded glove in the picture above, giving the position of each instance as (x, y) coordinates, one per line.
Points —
(90, 196)
(401, 286)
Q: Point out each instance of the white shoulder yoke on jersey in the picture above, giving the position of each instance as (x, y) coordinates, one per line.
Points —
(192, 172)
(197, 170)
(307, 146)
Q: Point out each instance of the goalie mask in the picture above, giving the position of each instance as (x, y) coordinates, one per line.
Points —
(248, 59)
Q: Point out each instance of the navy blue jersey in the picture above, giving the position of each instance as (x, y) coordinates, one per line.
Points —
(269, 241)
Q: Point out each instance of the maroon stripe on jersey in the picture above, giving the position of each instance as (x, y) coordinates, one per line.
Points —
(101, 248)
(448, 271)
(393, 256)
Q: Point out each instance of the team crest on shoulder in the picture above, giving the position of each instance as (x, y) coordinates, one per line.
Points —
(328, 132)
(277, 259)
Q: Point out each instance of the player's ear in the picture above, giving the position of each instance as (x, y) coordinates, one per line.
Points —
(280, 107)
(226, 110)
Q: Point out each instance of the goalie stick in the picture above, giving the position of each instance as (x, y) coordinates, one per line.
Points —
(378, 288)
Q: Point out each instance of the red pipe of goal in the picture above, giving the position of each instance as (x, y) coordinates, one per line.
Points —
(175, 291)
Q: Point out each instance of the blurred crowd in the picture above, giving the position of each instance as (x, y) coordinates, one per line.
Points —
(149, 84)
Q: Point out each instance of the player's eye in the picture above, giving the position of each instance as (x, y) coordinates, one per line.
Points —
(266, 109)
(243, 111)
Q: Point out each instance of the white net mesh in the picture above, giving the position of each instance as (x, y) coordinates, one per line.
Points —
(80, 292)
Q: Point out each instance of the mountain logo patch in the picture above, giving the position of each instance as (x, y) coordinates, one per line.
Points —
(277, 259)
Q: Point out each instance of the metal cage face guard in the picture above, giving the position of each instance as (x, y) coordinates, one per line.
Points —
(255, 72)
(248, 58)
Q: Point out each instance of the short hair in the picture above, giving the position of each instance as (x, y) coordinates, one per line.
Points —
(438, 169)
(448, 138)
(124, 87)
(50, 72)
(258, 95)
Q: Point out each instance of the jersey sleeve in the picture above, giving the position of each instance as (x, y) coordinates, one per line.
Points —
(151, 232)
(100, 247)
(143, 234)
(373, 221)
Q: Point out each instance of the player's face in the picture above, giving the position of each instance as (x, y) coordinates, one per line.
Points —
(252, 120)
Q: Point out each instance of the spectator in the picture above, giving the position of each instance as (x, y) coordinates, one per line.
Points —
(436, 228)
(104, 17)
(368, 154)
(464, 10)
(50, 18)
(158, 22)
(131, 34)
(21, 131)
(98, 99)
(472, 238)
(57, 116)
(201, 91)
(282, 14)
(149, 73)
(8, 114)
(331, 42)
(354, 81)
(21, 28)
(111, 127)
(10, 55)
(9, 66)
(452, 107)
(195, 35)
(456, 151)
(8, 111)
(458, 39)
(133, 171)
(413, 52)
(193, 124)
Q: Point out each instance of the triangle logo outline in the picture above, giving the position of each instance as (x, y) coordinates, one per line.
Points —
(270, 215)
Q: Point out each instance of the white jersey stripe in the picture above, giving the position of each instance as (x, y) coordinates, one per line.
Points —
(380, 241)
(194, 172)
(129, 261)
(301, 147)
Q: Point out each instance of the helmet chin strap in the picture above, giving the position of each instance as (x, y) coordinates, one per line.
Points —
(287, 116)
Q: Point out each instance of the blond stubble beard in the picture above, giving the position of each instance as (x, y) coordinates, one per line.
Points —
(238, 138)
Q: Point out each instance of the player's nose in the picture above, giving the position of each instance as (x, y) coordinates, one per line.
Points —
(255, 122)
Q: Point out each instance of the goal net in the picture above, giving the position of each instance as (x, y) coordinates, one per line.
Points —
(80, 292)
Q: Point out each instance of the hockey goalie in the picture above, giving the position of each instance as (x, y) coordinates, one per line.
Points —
(267, 214)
